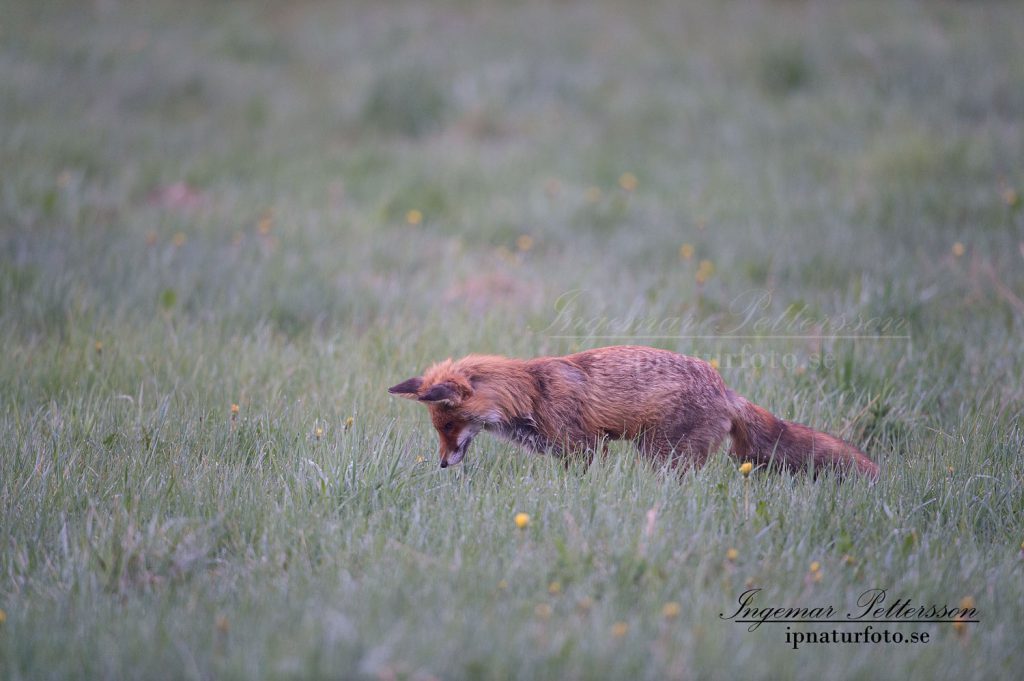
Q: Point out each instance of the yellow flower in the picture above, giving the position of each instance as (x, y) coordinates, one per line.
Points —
(318, 433)
(554, 588)
(593, 194)
(670, 610)
(745, 468)
(420, 459)
(234, 410)
(731, 555)
(959, 626)
(705, 269)
(620, 629)
(628, 181)
(542, 611)
(522, 520)
(815, 566)
(348, 422)
(99, 347)
(503, 584)
(966, 603)
(714, 363)
(179, 239)
(3, 616)
(414, 217)
(524, 242)
(266, 222)
(686, 251)
(958, 249)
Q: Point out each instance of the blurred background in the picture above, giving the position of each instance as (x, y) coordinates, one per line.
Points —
(325, 164)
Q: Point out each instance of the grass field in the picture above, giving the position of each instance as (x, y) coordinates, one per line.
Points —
(289, 207)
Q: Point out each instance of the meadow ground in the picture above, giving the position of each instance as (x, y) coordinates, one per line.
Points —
(289, 207)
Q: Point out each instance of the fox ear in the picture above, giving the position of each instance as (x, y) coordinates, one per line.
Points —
(443, 392)
(407, 389)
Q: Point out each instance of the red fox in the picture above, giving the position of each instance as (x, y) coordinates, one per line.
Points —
(673, 407)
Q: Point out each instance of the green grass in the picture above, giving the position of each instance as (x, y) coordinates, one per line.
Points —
(830, 153)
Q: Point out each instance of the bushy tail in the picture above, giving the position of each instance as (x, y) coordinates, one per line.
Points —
(761, 437)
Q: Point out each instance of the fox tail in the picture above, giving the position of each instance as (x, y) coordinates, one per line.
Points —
(762, 438)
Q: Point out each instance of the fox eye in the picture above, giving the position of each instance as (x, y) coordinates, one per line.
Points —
(448, 427)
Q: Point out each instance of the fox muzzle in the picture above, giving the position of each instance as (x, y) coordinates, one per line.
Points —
(453, 457)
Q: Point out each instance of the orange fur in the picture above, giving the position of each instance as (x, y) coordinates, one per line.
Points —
(674, 407)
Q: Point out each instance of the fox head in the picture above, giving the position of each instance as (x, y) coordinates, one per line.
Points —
(459, 402)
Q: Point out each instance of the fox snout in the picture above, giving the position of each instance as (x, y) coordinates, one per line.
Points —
(451, 458)
(454, 445)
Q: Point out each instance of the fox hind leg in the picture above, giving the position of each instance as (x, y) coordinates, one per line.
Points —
(680, 452)
(683, 447)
